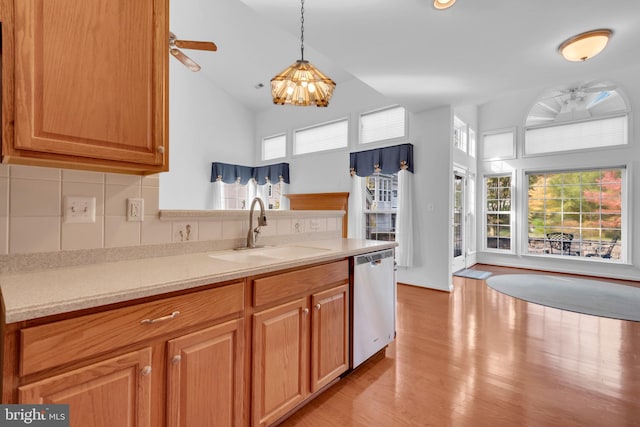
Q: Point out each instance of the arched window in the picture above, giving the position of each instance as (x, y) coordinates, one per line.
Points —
(577, 117)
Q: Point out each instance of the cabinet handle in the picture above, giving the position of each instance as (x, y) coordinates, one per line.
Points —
(305, 310)
(318, 306)
(161, 149)
(160, 319)
(176, 359)
(146, 371)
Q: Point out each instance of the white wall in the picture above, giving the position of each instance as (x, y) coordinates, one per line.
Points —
(328, 171)
(511, 111)
(431, 135)
(205, 125)
(429, 132)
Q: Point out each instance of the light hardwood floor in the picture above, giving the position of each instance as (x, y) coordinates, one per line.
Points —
(476, 357)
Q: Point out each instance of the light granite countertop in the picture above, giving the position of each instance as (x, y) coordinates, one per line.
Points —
(60, 290)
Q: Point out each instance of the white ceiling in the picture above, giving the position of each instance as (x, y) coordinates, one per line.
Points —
(415, 55)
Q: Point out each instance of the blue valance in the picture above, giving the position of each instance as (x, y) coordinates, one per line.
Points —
(229, 173)
(387, 160)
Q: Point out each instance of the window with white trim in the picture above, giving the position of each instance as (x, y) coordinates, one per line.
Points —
(381, 206)
(498, 212)
(459, 134)
(234, 196)
(472, 142)
(382, 125)
(323, 137)
(274, 147)
(576, 213)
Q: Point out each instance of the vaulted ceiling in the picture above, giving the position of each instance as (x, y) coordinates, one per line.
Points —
(415, 55)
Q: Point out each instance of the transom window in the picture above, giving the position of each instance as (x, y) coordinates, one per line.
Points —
(274, 147)
(576, 213)
(383, 125)
(327, 136)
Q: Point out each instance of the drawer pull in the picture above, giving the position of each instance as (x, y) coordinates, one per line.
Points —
(160, 319)
(146, 371)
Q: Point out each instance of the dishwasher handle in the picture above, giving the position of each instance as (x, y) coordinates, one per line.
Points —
(374, 258)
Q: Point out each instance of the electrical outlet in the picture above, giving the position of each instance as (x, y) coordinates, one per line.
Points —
(135, 209)
(79, 209)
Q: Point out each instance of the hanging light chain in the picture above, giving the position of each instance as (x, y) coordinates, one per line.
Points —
(302, 31)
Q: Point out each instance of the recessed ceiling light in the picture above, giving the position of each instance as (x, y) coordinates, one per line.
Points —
(585, 45)
(443, 4)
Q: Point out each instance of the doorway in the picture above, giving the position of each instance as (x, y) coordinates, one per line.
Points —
(458, 226)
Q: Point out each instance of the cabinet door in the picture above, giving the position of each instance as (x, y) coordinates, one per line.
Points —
(115, 392)
(329, 335)
(280, 360)
(90, 79)
(205, 373)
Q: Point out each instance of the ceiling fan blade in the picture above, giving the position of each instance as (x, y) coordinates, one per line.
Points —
(188, 62)
(188, 44)
(597, 89)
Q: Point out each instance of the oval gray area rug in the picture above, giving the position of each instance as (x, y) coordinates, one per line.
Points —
(603, 299)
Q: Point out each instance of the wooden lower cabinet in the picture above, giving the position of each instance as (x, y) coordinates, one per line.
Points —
(177, 361)
(298, 348)
(205, 373)
(114, 392)
(329, 335)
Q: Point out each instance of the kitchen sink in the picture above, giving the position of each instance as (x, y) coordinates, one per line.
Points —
(269, 254)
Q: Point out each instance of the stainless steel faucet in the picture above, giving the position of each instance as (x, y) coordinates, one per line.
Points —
(252, 235)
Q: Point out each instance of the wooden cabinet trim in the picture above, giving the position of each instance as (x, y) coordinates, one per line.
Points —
(131, 371)
(209, 360)
(283, 286)
(286, 326)
(108, 136)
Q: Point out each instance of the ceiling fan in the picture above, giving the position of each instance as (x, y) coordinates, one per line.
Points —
(571, 103)
(174, 44)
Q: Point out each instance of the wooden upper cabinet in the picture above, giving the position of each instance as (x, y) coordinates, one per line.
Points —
(91, 84)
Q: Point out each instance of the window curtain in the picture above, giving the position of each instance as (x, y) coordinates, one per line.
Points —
(256, 178)
(356, 223)
(284, 190)
(404, 219)
(217, 194)
(388, 160)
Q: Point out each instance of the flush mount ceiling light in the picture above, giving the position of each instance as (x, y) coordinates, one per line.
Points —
(585, 45)
(301, 83)
(443, 4)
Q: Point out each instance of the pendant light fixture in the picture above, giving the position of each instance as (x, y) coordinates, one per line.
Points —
(585, 45)
(301, 83)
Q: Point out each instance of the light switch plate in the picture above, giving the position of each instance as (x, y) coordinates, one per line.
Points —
(79, 209)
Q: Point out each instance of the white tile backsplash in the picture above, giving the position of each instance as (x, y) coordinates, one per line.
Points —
(4, 235)
(31, 217)
(83, 236)
(118, 232)
(34, 234)
(70, 175)
(30, 172)
(155, 231)
(116, 198)
(210, 230)
(34, 197)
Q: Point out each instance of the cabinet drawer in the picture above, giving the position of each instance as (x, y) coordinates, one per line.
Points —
(53, 344)
(286, 285)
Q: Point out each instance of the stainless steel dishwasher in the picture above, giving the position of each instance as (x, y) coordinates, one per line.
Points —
(374, 304)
